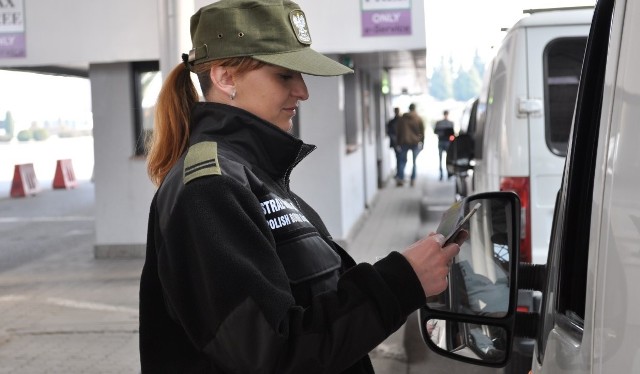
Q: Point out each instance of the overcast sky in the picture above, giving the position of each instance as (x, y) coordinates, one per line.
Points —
(457, 28)
(36, 97)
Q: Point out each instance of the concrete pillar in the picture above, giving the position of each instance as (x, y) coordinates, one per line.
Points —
(175, 38)
(123, 190)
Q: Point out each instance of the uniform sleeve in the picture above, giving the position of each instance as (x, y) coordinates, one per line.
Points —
(224, 284)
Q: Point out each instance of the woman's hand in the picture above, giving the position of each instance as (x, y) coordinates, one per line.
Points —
(431, 261)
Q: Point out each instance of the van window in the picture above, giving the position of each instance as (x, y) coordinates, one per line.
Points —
(481, 111)
(490, 103)
(146, 84)
(562, 66)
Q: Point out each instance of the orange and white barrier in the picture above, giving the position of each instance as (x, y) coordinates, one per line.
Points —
(24, 182)
(64, 177)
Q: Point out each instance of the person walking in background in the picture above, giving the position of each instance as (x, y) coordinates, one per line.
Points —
(241, 275)
(392, 127)
(410, 131)
(444, 130)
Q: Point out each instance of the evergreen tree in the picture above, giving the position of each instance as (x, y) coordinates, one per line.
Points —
(9, 123)
(8, 126)
(478, 65)
(440, 85)
(467, 84)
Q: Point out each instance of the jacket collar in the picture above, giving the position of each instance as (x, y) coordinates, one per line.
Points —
(261, 143)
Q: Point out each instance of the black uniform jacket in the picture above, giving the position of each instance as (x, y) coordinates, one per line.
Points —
(241, 275)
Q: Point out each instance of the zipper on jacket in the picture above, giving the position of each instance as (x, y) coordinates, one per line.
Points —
(287, 175)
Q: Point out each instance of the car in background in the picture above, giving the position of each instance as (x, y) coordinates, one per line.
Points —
(524, 113)
(460, 154)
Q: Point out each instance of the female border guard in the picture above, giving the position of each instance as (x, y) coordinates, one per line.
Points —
(241, 275)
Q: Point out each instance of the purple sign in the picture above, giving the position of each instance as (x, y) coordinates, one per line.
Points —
(12, 45)
(386, 22)
(12, 30)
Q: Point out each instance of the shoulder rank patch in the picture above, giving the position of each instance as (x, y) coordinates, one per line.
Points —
(201, 160)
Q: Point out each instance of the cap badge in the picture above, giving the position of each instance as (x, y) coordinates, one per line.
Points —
(299, 23)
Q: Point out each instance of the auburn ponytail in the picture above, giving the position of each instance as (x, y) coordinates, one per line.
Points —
(171, 128)
(177, 97)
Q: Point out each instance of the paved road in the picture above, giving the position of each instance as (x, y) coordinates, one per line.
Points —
(42, 224)
(61, 310)
(26, 224)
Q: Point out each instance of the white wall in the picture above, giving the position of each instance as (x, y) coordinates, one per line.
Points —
(338, 185)
(122, 189)
(174, 33)
(316, 178)
(352, 187)
(63, 32)
(82, 31)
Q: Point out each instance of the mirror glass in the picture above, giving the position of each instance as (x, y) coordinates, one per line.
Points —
(480, 342)
(480, 275)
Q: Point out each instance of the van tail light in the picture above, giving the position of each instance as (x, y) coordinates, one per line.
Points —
(520, 185)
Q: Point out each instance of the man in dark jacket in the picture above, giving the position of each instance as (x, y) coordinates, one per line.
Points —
(392, 132)
(410, 132)
(445, 132)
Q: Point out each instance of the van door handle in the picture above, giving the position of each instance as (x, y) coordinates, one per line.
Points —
(531, 107)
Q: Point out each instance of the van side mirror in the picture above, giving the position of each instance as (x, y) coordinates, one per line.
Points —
(460, 154)
(473, 320)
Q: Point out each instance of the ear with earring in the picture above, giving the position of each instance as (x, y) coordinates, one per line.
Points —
(233, 94)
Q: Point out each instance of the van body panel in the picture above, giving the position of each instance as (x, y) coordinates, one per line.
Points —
(544, 19)
(515, 143)
(565, 354)
(599, 314)
(504, 149)
(510, 145)
(545, 166)
(543, 201)
(617, 301)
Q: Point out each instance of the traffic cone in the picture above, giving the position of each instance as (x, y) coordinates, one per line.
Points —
(64, 177)
(24, 181)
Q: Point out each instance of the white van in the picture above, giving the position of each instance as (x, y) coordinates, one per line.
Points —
(590, 316)
(524, 116)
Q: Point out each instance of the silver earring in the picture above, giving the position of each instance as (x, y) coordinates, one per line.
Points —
(233, 94)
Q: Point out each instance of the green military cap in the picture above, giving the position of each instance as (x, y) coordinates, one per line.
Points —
(272, 31)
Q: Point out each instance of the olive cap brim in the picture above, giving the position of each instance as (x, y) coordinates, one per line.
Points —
(306, 61)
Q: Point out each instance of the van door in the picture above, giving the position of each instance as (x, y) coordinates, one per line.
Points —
(568, 338)
(554, 62)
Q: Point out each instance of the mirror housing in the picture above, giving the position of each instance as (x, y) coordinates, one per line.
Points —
(460, 154)
(473, 320)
